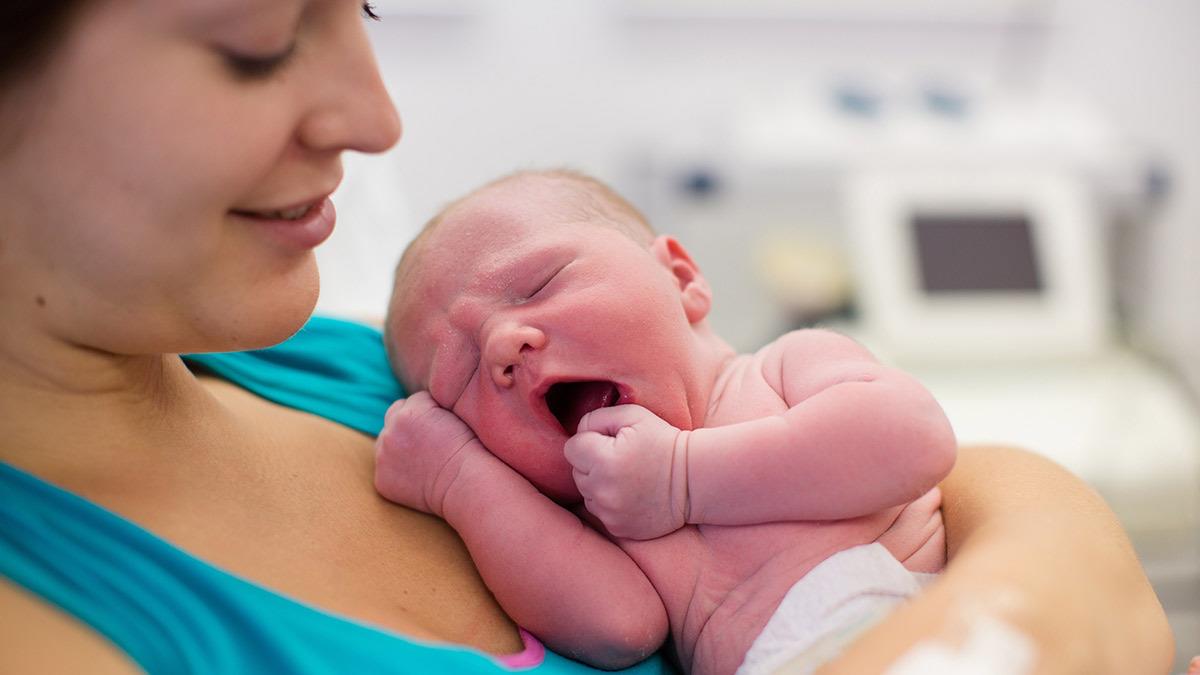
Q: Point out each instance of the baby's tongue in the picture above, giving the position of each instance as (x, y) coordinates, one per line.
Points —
(570, 401)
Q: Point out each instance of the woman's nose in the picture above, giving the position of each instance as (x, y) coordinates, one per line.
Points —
(507, 346)
(351, 109)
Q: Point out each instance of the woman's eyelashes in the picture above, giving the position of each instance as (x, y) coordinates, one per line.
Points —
(251, 66)
(255, 67)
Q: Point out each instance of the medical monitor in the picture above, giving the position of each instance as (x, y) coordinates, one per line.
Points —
(975, 263)
(975, 252)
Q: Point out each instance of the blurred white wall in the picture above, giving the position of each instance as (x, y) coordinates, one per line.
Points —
(487, 86)
(1139, 62)
(493, 86)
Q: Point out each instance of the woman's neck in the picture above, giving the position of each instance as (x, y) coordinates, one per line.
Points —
(62, 403)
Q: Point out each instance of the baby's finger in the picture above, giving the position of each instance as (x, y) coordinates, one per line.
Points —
(392, 411)
(423, 397)
(609, 421)
(590, 505)
(580, 451)
(580, 479)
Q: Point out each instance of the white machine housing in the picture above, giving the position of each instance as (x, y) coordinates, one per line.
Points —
(970, 263)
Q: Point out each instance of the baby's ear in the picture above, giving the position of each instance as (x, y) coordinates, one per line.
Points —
(693, 288)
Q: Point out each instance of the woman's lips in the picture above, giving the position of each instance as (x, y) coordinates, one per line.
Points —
(310, 225)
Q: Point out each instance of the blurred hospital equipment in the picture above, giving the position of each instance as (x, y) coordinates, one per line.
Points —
(970, 242)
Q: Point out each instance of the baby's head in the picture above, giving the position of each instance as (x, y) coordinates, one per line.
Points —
(540, 297)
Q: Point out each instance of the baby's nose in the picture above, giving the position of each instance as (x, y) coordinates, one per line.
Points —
(508, 345)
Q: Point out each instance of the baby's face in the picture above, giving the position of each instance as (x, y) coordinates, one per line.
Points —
(521, 319)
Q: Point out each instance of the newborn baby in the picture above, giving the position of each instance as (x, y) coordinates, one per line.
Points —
(758, 509)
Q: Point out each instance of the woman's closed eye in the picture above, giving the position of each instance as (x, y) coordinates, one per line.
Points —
(254, 66)
(251, 66)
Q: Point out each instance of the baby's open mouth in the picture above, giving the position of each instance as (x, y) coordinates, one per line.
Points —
(570, 401)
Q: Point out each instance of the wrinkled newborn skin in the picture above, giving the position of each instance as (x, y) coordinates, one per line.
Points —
(803, 449)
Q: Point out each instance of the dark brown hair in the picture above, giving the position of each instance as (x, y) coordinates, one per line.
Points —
(29, 31)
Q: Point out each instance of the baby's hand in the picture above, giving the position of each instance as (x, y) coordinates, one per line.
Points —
(420, 451)
(631, 468)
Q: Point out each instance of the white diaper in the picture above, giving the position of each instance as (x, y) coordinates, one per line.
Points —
(831, 605)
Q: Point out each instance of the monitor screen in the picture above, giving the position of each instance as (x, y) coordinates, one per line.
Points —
(972, 252)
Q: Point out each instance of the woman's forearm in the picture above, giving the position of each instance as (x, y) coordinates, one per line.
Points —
(1033, 548)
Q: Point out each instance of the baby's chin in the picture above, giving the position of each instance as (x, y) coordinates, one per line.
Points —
(545, 467)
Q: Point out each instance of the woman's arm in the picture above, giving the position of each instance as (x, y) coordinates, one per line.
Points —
(1032, 546)
(40, 638)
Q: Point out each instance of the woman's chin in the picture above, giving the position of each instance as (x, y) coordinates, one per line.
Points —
(280, 321)
(262, 316)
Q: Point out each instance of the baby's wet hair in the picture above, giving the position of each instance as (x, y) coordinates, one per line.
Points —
(596, 200)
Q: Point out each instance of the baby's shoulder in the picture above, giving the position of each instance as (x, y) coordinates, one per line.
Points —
(763, 380)
(797, 356)
(816, 342)
(808, 346)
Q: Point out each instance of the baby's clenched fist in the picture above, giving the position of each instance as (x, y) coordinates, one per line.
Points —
(421, 451)
(631, 468)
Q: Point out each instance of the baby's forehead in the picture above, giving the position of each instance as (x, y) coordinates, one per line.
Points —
(489, 231)
(479, 244)
(514, 201)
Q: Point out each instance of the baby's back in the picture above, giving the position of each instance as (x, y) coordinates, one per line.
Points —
(721, 584)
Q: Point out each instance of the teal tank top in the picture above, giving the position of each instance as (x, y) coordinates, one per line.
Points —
(174, 613)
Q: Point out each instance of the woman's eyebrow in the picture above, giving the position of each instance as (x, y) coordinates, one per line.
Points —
(220, 14)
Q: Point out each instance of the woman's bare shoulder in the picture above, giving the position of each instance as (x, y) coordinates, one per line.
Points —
(39, 638)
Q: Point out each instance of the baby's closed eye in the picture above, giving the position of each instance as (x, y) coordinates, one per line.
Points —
(545, 281)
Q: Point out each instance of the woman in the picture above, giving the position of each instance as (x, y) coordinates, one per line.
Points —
(165, 167)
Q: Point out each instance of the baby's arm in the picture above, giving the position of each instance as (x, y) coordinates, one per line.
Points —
(556, 577)
(857, 437)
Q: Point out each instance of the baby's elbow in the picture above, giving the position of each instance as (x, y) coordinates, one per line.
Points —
(919, 427)
(627, 640)
(922, 444)
(937, 449)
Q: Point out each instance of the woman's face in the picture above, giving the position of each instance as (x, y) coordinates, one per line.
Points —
(165, 176)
